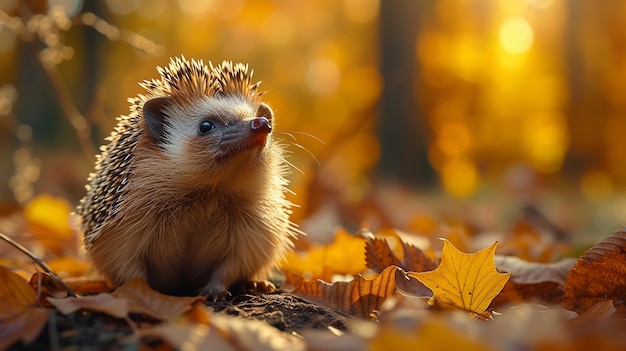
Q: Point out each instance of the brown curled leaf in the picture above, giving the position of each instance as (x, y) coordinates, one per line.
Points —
(598, 275)
(359, 297)
(379, 255)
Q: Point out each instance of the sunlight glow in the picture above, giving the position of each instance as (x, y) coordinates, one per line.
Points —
(460, 177)
(540, 4)
(516, 35)
(323, 76)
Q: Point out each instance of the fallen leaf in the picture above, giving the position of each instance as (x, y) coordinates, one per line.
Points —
(359, 297)
(467, 281)
(343, 256)
(379, 255)
(46, 286)
(600, 311)
(143, 300)
(50, 217)
(598, 275)
(20, 317)
(104, 303)
(532, 281)
(416, 330)
(223, 332)
(547, 292)
(523, 271)
(189, 336)
(87, 286)
(69, 266)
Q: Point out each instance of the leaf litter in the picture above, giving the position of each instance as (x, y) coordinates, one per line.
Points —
(357, 292)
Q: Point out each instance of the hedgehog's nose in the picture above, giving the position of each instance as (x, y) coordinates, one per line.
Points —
(261, 125)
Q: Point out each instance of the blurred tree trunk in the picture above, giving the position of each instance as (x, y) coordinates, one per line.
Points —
(578, 92)
(402, 129)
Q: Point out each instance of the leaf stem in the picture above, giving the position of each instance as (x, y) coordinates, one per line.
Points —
(39, 262)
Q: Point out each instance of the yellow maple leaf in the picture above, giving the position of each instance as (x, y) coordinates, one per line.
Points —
(467, 281)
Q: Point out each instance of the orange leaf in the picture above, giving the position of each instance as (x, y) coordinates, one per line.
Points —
(360, 297)
(467, 281)
(343, 256)
(69, 266)
(598, 275)
(51, 213)
(46, 286)
(20, 318)
(104, 303)
(143, 300)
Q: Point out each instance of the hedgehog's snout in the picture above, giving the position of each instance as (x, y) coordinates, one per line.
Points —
(261, 125)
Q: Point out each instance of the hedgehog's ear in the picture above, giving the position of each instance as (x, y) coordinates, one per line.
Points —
(264, 111)
(154, 115)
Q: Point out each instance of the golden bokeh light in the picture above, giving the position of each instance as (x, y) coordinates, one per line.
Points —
(454, 139)
(545, 140)
(278, 28)
(460, 177)
(361, 11)
(596, 185)
(122, 7)
(516, 35)
(497, 86)
(323, 76)
(540, 4)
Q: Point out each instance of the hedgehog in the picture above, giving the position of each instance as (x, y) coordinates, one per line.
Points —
(189, 192)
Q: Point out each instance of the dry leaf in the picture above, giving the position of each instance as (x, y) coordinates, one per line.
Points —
(598, 275)
(189, 336)
(223, 332)
(600, 311)
(47, 287)
(104, 303)
(467, 281)
(402, 329)
(69, 266)
(48, 219)
(343, 256)
(87, 286)
(532, 281)
(143, 300)
(550, 293)
(359, 297)
(523, 271)
(20, 317)
(379, 255)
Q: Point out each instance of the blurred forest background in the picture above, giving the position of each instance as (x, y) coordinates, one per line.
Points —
(428, 110)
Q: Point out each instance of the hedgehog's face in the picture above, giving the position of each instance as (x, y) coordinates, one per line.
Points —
(214, 141)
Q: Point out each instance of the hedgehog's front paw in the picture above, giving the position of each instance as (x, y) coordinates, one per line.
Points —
(254, 287)
(214, 292)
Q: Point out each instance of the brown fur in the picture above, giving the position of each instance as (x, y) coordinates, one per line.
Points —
(199, 212)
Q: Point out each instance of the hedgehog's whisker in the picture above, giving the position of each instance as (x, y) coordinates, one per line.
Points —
(300, 146)
(290, 164)
(307, 151)
(306, 134)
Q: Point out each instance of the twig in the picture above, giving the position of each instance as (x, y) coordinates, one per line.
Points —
(38, 261)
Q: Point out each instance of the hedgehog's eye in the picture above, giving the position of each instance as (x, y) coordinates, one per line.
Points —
(206, 127)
